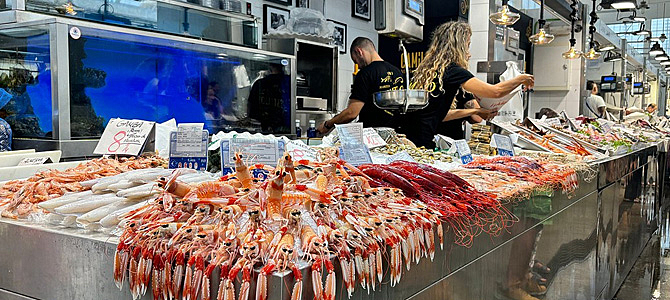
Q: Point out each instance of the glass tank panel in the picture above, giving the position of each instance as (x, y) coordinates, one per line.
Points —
(25, 81)
(163, 15)
(137, 77)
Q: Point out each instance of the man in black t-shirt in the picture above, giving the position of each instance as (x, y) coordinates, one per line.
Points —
(375, 75)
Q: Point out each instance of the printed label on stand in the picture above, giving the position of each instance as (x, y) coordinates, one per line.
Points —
(355, 154)
(351, 133)
(372, 139)
(402, 155)
(553, 122)
(124, 137)
(300, 150)
(188, 148)
(257, 150)
(463, 150)
(503, 144)
(33, 161)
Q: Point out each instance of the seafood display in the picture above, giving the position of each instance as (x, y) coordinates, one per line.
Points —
(18, 198)
(303, 214)
(420, 154)
(101, 207)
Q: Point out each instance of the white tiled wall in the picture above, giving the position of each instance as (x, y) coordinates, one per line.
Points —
(479, 22)
(338, 10)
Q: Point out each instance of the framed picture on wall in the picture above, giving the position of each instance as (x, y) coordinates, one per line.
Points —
(361, 9)
(340, 36)
(302, 3)
(273, 17)
(285, 2)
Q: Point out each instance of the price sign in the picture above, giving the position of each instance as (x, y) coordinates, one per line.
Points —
(535, 123)
(372, 139)
(33, 161)
(605, 125)
(265, 151)
(188, 148)
(402, 155)
(463, 150)
(355, 154)
(554, 122)
(124, 137)
(503, 144)
(300, 150)
(351, 133)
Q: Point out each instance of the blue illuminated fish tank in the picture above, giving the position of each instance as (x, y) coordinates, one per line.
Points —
(132, 74)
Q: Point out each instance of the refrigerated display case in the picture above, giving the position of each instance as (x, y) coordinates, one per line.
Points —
(100, 71)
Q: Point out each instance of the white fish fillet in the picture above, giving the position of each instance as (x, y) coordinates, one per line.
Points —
(149, 176)
(113, 218)
(103, 211)
(145, 188)
(88, 204)
(89, 183)
(62, 200)
(121, 185)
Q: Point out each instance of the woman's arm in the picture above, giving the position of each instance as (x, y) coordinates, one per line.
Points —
(485, 90)
(459, 113)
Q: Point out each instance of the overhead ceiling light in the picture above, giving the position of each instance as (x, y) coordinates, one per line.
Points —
(639, 19)
(656, 50)
(612, 56)
(606, 47)
(541, 37)
(642, 31)
(572, 53)
(504, 16)
(623, 4)
(662, 57)
(592, 54)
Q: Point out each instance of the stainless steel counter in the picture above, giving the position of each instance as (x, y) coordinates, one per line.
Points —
(589, 240)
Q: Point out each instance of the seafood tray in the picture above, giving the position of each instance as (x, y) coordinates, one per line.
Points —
(585, 144)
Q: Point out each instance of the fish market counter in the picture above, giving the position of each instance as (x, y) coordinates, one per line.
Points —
(587, 241)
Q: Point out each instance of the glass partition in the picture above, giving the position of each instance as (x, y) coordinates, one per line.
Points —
(25, 81)
(129, 76)
(177, 17)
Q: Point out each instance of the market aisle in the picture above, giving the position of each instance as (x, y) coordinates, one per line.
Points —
(650, 276)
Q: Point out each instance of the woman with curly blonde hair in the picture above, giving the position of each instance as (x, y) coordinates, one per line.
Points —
(443, 73)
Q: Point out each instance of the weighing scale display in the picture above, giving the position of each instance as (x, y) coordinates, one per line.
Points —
(638, 88)
(416, 6)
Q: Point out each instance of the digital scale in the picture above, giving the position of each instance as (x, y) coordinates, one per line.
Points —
(402, 19)
(610, 84)
(641, 88)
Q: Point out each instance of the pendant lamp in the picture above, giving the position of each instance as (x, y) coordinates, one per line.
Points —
(541, 37)
(573, 53)
(504, 16)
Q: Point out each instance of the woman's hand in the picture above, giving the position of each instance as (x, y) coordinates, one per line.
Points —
(527, 80)
(486, 114)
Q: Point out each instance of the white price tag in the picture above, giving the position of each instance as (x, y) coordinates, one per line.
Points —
(355, 154)
(463, 150)
(553, 122)
(351, 133)
(124, 137)
(402, 155)
(503, 144)
(33, 161)
(265, 151)
(300, 150)
(372, 139)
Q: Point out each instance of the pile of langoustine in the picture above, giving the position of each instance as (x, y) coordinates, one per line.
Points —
(18, 198)
(304, 212)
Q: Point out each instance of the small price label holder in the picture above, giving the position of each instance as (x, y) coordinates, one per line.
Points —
(503, 144)
(463, 150)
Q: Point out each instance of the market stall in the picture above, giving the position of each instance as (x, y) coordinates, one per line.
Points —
(585, 229)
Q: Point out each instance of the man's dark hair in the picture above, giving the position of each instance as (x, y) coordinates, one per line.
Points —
(362, 43)
(652, 105)
(550, 113)
(589, 85)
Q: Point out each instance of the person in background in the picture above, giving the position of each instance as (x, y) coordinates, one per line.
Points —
(465, 108)
(269, 101)
(443, 73)
(651, 108)
(374, 76)
(595, 105)
(5, 136)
